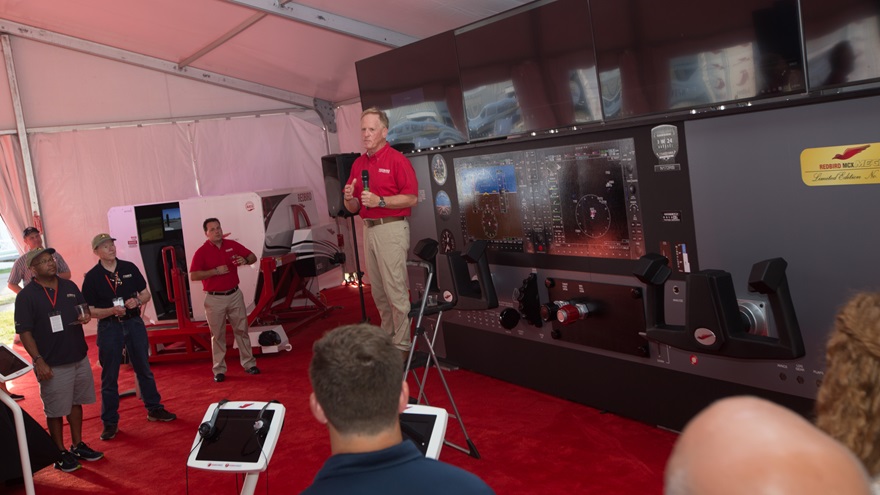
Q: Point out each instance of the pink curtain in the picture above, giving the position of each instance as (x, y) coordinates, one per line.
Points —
(15, 203)
(82, 174)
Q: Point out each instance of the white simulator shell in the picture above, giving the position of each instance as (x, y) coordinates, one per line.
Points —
(262, 221)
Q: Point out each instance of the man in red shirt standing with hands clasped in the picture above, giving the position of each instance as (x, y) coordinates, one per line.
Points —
(216, 265)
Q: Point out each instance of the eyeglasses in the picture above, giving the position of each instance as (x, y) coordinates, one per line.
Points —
(47, 260)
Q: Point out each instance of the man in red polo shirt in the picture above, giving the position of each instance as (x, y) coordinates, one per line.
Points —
(384, 203)
(216, 265)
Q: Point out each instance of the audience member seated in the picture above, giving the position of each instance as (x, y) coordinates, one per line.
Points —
(358, 392)
(848, 404)
(746, 445)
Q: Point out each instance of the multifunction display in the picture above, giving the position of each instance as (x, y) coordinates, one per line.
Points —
(578, 200)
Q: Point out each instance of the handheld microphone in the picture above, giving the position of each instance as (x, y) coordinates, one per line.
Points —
(365, 178)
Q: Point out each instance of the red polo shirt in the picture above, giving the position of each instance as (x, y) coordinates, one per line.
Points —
(210, 256)
(390, 174)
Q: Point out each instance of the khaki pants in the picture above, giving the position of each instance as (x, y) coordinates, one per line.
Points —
(217, 309)
(387, 247)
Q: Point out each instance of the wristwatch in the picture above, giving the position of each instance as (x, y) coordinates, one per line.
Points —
(381, 202)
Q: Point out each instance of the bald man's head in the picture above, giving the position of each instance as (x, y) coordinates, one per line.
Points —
(746, 445)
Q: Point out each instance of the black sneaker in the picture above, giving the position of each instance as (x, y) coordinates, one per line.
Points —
(253, 370)
(109, 432)
(161, 415)
(82, 451)
(219, 377)
(68, 462)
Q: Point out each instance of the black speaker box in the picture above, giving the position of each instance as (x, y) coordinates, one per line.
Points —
(337, 168)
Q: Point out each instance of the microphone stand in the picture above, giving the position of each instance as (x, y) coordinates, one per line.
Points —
(359, 273)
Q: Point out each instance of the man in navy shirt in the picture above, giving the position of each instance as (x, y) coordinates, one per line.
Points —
(359, 393)
(115, 291)
(50, 328)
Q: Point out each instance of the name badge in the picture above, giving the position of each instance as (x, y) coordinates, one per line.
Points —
(55, 321)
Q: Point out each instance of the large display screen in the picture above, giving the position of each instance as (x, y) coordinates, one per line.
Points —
(529, 70)
(842, 39)
(576, 200)
(158, 222)
(660, 55)
(417, 86)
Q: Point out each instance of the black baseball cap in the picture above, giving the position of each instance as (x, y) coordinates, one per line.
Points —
(30, 230)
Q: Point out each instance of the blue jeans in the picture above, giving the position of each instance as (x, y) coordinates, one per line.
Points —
(131, 334)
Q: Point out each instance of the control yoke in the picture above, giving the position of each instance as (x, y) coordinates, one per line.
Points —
(713, 321)
(472, 294)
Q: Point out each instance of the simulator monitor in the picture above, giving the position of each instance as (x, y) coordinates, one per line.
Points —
(245, 438)
(171, 219)
(426, 427)
(575, 200)
(12, 365)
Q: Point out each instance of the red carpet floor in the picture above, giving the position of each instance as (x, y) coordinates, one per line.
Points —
(529, 442)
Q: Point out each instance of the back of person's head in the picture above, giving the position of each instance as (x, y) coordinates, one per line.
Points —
(746, 445)
(356, 375)
(848, 404)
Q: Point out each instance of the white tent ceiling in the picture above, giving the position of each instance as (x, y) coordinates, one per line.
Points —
(292, 52)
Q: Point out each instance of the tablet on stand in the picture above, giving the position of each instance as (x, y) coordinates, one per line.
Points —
(12, 366)
(245, 438)
(426, 427)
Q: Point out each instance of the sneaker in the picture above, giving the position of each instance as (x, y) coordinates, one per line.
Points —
(68, 462)
(109, 432)
(82, 451)
(253, 370)
(161, 415)
(219, 377)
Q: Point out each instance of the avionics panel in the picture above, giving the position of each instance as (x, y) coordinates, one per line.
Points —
(578, 201)
(575, 200)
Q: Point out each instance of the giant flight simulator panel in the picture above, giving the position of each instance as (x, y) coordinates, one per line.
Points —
(592, 258)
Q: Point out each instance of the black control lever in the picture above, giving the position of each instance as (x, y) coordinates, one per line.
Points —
(713, 323)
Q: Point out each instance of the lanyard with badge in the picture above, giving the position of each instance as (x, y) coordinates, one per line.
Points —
(117, 301)
(54, 315)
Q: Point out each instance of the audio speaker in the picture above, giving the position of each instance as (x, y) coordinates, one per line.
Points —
(337, 168)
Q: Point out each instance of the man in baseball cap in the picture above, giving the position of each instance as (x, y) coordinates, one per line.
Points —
(115, 290)
(50, 327)
(20, 274)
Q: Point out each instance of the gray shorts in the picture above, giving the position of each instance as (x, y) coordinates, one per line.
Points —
(70, 385)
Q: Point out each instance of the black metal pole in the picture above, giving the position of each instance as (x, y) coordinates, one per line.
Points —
(359, 273)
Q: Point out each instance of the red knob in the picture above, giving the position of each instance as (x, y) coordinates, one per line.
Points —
(568, 314)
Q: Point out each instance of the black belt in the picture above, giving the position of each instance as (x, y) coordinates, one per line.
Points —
(119, 318)
(222, 293)
(372, 222)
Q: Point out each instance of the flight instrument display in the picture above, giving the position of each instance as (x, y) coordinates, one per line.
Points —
(576, 200)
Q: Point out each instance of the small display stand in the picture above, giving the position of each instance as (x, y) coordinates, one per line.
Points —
(238, 437)
(13, 366)
(425, 426)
